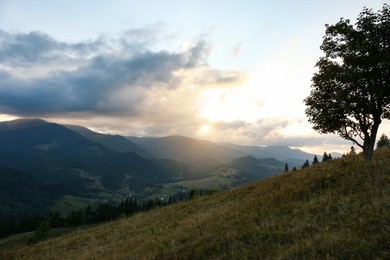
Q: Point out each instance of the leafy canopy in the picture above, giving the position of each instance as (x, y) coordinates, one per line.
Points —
(351, 90)
(383, 141)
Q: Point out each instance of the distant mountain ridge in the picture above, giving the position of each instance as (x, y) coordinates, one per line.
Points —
(186, 149)
(76, 161)
(281, 153)
(115, 142)
(21, 123)
(258, 168)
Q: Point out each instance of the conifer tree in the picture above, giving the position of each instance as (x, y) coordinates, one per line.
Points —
(306, 164)
(353, 151)
(325, 157)
(315, 160)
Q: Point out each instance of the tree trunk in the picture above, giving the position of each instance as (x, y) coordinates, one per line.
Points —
(369, 142)
(368, 153)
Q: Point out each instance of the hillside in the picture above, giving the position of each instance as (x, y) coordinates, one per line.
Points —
(282, 153)
(31, 196)
(75, 162)
(339, 209)
(258, 168)
(186, 149)
(114, 142)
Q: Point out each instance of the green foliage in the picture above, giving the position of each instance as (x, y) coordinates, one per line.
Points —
(351, 91)
(383, 141)
(21, 195)
(42, 232)
(193, 194)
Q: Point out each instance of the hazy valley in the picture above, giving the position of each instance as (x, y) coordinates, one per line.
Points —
(69, 167)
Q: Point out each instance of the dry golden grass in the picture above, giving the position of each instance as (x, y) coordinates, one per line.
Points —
(339, 209)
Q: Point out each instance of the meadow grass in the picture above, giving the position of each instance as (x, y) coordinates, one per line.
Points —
(334, 210)
(68, 203)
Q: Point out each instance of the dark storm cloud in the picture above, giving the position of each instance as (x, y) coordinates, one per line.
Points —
(108, 82)
(18, 49)
(25, 49)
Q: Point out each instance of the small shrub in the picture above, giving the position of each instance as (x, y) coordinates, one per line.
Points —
(41, 233)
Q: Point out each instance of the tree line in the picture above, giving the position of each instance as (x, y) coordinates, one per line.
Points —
(326, 157)
(383, 142)
(103, 212)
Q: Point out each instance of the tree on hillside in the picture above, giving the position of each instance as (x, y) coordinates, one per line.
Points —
(41, 233)
(383, 141)
(353, 151)
(306, 164)
(326, 157)
(351, 91)
(315, 160)
(286, 168)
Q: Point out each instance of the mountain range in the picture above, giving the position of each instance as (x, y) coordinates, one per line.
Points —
(62, 160)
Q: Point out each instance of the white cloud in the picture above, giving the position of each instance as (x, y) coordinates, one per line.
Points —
(125, 85)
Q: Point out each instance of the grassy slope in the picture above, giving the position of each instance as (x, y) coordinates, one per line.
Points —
(67, 203)
(339, 209)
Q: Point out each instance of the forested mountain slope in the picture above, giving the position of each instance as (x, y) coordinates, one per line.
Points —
(338, 209)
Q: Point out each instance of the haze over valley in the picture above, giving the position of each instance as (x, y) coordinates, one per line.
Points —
(64, 160)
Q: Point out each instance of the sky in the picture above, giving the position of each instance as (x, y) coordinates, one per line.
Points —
(224, 71)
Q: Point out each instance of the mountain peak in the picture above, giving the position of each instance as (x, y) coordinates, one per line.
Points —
(22, 123)
(247, 158)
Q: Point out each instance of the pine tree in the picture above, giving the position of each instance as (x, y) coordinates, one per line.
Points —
(306, 164)
(286, 168)
(325, 157)
(353, 151)
(315, 160)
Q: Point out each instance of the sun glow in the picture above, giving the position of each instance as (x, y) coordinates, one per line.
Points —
(228, 104)
(5, 117)
(204, 129)
(271, 90)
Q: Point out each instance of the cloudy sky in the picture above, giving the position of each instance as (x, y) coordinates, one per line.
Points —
(225, 71)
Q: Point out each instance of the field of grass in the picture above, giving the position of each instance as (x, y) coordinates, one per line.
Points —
(219, 180)
(16, 239)
(334, 210)
(67, 203)
(24, 238)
